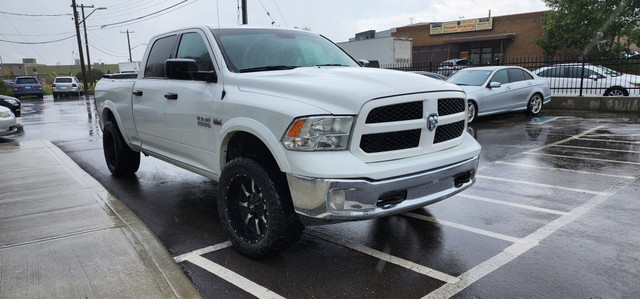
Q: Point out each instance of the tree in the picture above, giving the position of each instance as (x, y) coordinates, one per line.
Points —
(594, 28)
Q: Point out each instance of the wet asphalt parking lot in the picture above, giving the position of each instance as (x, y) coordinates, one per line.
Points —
(555, 212)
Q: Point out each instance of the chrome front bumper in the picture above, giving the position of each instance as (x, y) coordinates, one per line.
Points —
(357, 199)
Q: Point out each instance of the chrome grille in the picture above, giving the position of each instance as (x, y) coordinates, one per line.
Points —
(450, 106)
(397, 112)
(382, 142)
(448, 131)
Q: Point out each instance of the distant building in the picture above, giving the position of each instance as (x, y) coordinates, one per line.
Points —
(379, 46)
(482, 40)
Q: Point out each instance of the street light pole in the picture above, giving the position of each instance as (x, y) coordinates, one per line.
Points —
(75, 20)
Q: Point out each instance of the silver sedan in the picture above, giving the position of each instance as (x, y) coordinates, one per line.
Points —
(8, 125)
(498, 89)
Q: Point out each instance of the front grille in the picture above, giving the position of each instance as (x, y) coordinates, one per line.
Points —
(448, 131)
(396, 112)
(450, 106)
(382, 142)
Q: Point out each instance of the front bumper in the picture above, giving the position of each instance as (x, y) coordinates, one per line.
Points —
(357, 199)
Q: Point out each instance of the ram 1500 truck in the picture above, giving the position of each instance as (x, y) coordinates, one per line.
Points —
(294, 130)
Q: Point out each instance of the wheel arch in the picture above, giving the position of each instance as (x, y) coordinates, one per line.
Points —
(110, 113)
(248, 137)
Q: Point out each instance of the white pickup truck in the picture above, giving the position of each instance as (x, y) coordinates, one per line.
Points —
(295, 131)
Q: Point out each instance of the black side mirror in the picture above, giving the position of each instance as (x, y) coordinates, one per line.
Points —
(187, 69)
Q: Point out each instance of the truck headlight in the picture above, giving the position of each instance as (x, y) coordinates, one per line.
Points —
(318, 133)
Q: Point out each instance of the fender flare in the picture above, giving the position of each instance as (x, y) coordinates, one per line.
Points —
(251, 126)
(111, 107)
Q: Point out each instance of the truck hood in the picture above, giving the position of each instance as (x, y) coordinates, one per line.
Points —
(338, 90)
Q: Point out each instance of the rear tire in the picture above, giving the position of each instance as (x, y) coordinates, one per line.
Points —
(121, 160)
(534, 106)
(256, 210)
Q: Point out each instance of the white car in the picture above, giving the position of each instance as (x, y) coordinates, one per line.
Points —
(66, 85)
(8, 124)
(498, 89)
(565, 79)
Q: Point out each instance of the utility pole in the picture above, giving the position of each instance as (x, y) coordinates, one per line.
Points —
(75, 20)
(128, 42)
(245, 20)
(86, 41)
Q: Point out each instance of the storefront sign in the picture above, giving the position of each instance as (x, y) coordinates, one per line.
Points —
(461, 26)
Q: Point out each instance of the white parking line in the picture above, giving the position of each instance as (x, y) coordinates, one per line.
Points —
(512, 204)
(510, 253)
(597, 148)
(233, 278)
(583, 158)
(386, 257)
(465, 228)
(577, 136)
(609, 140)
(202, 251)
(567, 170)
(538, 184)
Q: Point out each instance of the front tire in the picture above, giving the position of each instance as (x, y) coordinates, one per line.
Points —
(534, 106)
(121, 160)
(616, 92)
(472, 109)
(255, 209)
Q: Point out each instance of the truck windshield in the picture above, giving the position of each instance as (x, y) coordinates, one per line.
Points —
(253, 50)
(469, 77)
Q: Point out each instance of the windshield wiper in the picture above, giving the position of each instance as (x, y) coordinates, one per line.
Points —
(268, 68)
(331, 64)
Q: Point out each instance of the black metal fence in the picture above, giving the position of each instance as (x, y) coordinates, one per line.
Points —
(589, 77)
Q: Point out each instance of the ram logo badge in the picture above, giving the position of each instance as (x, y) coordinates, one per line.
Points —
(204, 121)
(432, 122)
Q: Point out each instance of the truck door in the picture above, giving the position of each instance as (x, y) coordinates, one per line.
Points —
(189, 108)
(148, 97)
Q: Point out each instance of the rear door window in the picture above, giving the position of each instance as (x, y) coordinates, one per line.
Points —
(515, 75)
(161, 50)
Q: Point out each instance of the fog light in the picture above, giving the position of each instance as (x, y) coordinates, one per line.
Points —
(337, 197)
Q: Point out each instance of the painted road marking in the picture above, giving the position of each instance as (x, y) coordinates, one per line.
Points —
(464, 227)
(510, 253)
(609, 140)
(233, 278)
(597, 148)
(583, 158)
(202, 251)
(568, 170)
(542, 120)
(386, 257)
(512, 204)
(538, 184)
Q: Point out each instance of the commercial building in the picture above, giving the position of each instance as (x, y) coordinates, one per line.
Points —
(380, 47)
(483, 40)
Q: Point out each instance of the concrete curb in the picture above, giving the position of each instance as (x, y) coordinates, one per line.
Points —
(138, 232)
(608, 104)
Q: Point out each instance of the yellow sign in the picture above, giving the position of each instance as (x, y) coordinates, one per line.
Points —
(461, 26)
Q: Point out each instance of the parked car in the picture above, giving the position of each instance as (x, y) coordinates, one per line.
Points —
(596, 80)
(27, 85)
(497, 89)
(12, 103)
(451, 66)
(431, 75)
(9, 82)
(66, 86)
(8, 124)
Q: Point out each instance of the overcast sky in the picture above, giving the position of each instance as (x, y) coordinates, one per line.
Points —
(337, 19)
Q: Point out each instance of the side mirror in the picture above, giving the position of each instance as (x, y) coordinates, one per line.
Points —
(363, 62)
(593, 77)
(494, 84)
(187, 69)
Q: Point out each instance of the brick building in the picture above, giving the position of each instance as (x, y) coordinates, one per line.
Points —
(482, 40)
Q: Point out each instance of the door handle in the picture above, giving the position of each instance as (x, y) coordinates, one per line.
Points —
(137, 92)
(171, 96)
(529, 83)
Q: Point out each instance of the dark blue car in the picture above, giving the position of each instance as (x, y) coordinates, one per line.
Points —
(27, 85)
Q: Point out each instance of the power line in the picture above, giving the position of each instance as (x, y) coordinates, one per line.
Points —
(30, 15)
(163, 13)
(268, 14)
(282, 16)
(36, 43)
(145, 16)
